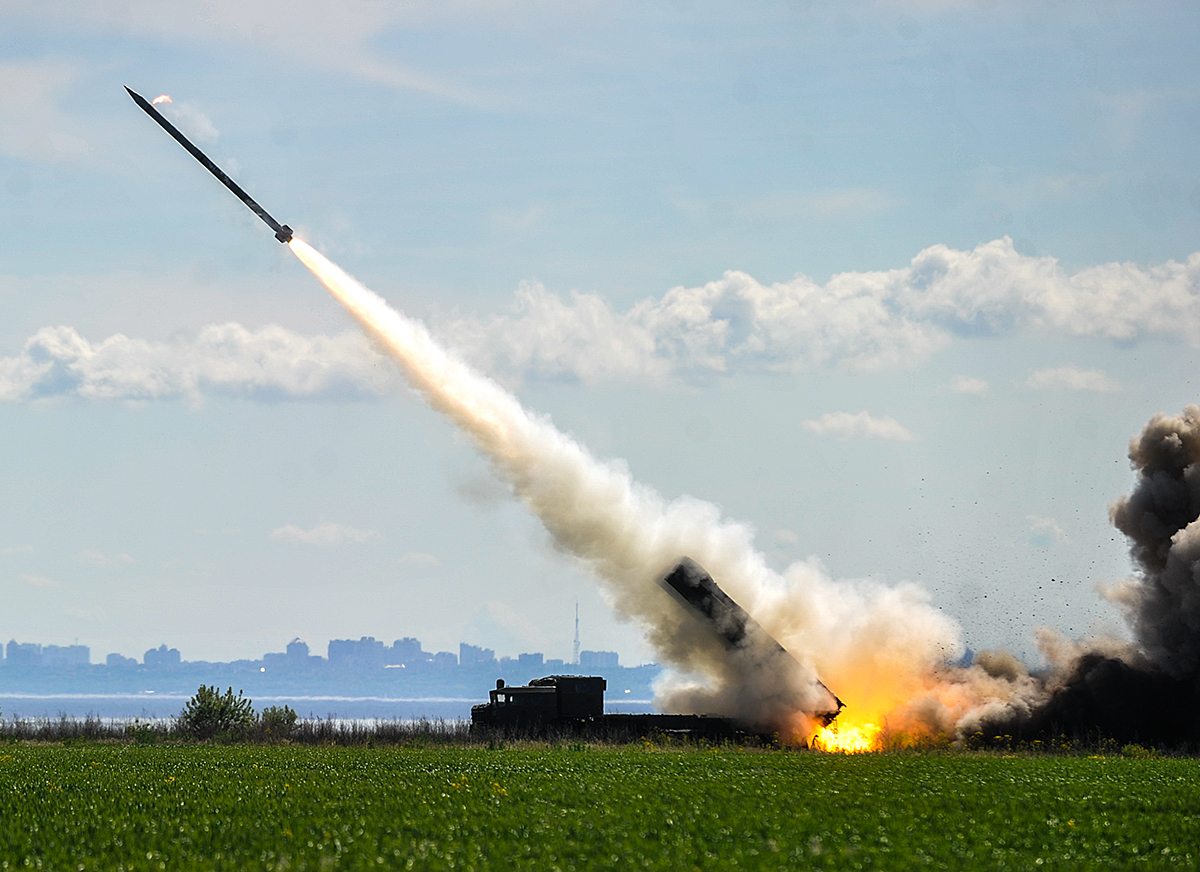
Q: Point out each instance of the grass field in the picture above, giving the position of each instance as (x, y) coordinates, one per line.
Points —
(182, 807)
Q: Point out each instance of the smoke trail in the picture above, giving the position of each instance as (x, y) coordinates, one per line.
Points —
(875, 646)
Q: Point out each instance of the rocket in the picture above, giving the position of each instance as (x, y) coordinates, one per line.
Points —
(691, 585)
(282, 232)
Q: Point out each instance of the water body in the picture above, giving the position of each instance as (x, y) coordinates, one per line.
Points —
(156, 706)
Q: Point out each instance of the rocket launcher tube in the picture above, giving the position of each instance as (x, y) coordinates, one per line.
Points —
(695, 588)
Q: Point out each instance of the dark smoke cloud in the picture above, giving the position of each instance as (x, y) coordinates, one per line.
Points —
(1162, 603)
(1150, 693)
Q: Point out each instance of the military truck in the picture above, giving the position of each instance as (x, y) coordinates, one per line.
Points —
(574, 705)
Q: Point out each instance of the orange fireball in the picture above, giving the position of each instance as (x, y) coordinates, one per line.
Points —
(848, 738)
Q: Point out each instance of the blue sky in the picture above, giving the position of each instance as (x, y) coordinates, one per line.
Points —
(893, 282)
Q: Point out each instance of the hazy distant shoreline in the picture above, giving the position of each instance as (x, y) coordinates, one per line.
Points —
(166, 705)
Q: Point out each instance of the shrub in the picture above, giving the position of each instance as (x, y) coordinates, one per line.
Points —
(210, 713)
(277, 721)
(142, 733)
(1138, 752)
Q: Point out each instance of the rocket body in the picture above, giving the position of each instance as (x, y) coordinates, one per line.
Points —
(282, 232)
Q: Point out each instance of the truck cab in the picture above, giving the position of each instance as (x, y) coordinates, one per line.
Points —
(549, 700)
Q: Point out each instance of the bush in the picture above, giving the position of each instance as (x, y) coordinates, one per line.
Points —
(142, 733)
(210, 713)
(276, 721)
(1138, 752)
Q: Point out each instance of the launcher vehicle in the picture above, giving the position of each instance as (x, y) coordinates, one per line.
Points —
(575, 703)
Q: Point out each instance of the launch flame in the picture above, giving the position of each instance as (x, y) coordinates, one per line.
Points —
(873, 645)
(161, 98)
(847, 738)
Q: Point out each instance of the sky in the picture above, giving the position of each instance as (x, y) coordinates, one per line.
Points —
(894, 283)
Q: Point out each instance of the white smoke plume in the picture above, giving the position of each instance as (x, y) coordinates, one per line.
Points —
(873, 645)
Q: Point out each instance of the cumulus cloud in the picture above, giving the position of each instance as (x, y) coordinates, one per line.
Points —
(419, 558)
(857, 321)
(327, 534)
(195, 124)
(1044, 532)
(39, 581)
(340, 38)
(266, 363)
(99, 558)
(964, 384)
(1071, 378)
(844, 426)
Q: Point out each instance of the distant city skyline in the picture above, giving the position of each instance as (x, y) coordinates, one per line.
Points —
(359, 678)
(365, 650)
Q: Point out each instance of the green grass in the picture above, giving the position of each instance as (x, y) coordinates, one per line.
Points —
(234, 807)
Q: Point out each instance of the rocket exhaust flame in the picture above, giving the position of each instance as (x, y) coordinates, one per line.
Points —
(847, 738)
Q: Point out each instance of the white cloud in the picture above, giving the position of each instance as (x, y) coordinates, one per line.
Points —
(17, 549)
(996, 185)
(1044, 532)
(1071, 378)
(98, 558)
(340, 38)
(965, 384)
(846, 201)
(39, 581)
(857, 321)
(844, 426)
(327, 534)
(195, 124)
(419, 558)
(268, 363)
(785, 537)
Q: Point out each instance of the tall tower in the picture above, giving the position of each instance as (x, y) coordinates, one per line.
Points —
(575, 659)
